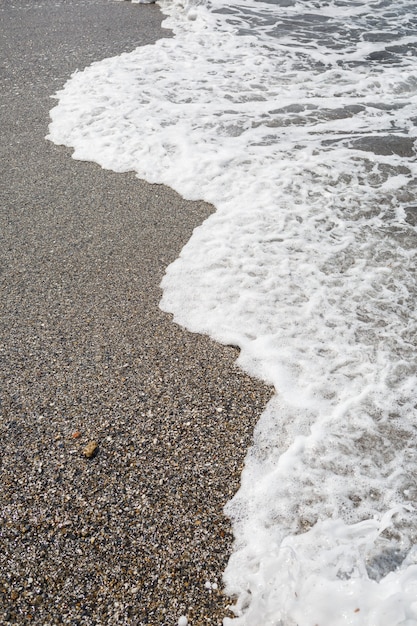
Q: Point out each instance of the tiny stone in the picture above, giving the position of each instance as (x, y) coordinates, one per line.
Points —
(183, 621)
(90, 449)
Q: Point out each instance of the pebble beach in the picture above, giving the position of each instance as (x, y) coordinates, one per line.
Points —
(123, 435)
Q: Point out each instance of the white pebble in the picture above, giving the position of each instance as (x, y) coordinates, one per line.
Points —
(183, 621)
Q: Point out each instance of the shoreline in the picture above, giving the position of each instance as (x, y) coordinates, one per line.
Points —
(132, 534)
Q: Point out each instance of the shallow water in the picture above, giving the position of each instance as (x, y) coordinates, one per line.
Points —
(297, 120)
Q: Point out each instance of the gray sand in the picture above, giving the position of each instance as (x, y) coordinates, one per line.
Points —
(130, 535)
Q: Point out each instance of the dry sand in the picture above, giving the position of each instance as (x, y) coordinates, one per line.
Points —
(130, 535)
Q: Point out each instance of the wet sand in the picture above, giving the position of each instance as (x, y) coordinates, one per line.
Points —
(130, 535)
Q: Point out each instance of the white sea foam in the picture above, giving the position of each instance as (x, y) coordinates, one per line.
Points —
(297, 121)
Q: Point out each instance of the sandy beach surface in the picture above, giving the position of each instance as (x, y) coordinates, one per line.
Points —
(131, 534)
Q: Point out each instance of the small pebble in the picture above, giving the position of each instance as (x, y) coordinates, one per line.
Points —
(90, 449)
(183, 621)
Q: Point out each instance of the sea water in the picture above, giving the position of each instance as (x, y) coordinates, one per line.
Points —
(298, 121)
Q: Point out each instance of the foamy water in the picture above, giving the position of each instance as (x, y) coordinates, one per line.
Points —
(297, 120)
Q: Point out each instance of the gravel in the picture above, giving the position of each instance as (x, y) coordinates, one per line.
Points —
(122, 435)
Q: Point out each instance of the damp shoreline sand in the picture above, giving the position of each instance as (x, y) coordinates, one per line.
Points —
(132, 534)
